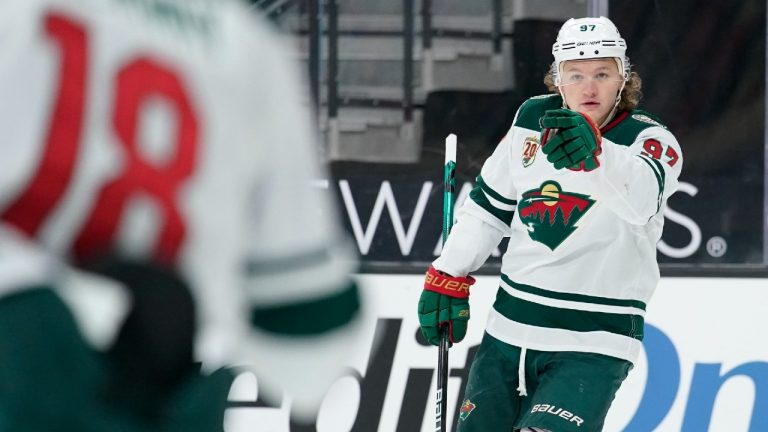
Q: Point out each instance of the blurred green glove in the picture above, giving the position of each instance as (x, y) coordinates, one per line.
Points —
(444, 301)
(570, 140)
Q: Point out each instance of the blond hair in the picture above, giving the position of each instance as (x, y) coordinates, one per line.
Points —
(630, 96)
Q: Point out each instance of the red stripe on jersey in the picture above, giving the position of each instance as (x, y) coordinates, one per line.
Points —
(618, 119)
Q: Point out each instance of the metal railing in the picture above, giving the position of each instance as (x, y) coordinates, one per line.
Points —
(315, 13)
(408, 36)
(495, 36)
(333, 59)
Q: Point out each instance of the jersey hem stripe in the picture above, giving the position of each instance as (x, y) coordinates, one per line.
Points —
(548, 339)
(539, 315)
(575, 305)
(581, 298)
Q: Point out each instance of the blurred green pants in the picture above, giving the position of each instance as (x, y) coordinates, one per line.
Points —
(51, 379)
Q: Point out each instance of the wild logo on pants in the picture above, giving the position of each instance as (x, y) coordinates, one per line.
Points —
(466, 409)
(551, 409)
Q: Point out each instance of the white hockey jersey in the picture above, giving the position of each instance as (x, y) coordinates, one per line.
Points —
(177, 131)
(581, 262)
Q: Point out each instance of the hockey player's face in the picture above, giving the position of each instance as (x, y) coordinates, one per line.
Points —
(591, 86)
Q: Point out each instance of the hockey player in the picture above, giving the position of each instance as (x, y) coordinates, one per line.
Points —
(579, 184)
(165, 145)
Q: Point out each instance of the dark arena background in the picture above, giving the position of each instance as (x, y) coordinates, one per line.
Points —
(703, 75)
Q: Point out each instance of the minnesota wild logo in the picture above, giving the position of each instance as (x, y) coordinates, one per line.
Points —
(530, 148)
(466, 409)
(551, 213)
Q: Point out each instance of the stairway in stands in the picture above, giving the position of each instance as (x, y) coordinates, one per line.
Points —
(367, 116)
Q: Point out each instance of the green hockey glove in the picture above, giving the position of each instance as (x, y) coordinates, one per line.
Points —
(444, 301)
(570, 140)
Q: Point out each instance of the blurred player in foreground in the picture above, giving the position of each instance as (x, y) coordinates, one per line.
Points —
(579, 184)
(156, 211)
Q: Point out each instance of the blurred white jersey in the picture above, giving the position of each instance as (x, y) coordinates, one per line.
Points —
(173, 130)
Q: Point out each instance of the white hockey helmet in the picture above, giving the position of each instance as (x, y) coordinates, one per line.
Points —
(589, 38)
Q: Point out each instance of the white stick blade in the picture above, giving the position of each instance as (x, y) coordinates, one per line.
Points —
(450, 148)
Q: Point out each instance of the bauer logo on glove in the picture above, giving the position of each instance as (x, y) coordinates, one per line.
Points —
(455, 287)
(444, 301)
(570, 140)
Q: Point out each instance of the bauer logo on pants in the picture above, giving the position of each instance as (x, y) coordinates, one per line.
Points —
(564, 414)
(551, 213)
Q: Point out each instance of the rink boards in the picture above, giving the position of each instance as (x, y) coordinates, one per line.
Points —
(704, 367)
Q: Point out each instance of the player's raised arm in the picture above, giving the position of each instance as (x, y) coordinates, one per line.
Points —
(634, 175)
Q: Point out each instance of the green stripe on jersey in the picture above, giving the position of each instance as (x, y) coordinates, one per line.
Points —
(582, 298)
(311, 317)
(626, 132)
(287, 264)
(478, 195)
(535, 314)
(658, 172)
(493, 194)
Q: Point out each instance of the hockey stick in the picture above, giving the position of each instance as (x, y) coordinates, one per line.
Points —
(449, 184)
